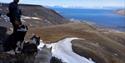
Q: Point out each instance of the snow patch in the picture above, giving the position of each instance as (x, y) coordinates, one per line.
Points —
(28, 17)
(63, 50)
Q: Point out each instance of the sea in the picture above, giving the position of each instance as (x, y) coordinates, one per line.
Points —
(101, 17)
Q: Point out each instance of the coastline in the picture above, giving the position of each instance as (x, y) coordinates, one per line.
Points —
(100, 28)
(101, 18)
(120, 12)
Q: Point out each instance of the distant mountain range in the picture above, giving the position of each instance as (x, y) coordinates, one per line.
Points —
(86, 7)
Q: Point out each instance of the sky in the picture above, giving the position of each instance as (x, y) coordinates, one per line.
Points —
(75, 3)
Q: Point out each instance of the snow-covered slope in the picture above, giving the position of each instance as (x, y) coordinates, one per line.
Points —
(63, 50)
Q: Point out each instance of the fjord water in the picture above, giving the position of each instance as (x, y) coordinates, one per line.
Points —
(101, 17)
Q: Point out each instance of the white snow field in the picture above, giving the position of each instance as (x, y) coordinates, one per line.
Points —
(63, 50)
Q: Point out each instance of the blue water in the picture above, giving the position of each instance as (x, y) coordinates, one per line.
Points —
(103, 17)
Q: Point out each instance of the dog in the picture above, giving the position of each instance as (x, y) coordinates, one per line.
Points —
(14, 38)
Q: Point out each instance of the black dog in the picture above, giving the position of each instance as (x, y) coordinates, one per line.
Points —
(18, 36)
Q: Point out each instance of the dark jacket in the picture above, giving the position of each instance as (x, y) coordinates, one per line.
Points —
(14, 11)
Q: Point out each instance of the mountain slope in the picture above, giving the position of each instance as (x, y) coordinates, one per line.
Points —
(102, 47)
(40, 15)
